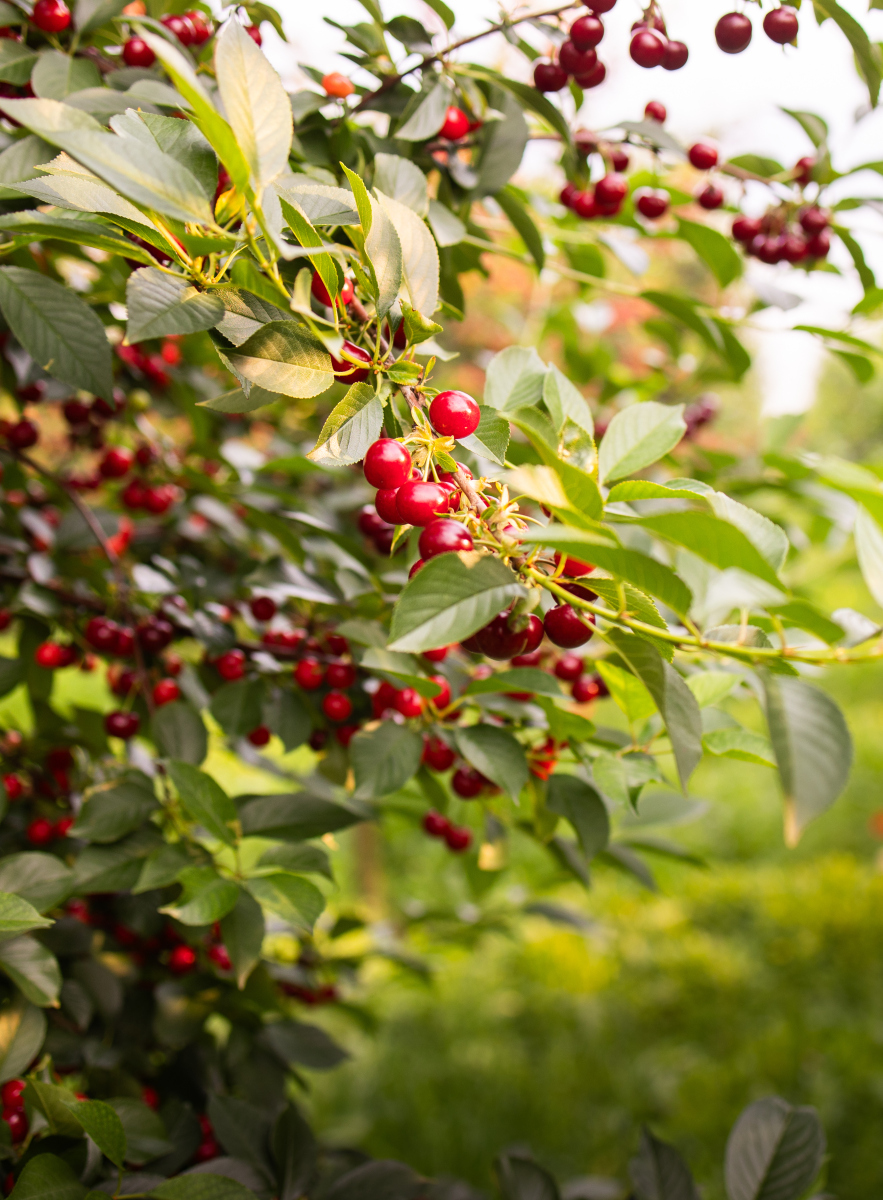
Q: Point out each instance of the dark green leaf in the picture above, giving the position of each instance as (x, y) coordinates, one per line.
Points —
(237, 706)
(774, 1151)
(205, 899)
(17, 916)
(496, 754)
(581, 804)
(291, 897)
(146, 1136)
(242, 930)
(38, 879)
(295, 1152)
(295, 815)
(521, 1178)
(384, 759)
(161, 304)
(22, 1031)
(204, 800)
(516, 679)
(179, 732)
(301, 1045)
(46, 1177)
(110, 813)
(659, 1173)
(104, 1127)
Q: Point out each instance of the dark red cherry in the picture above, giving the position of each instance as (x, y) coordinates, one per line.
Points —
(437, 754)
(655, 110)
(746, 228)
(499, 640)
(647, 48)
(596, 76)
(711, 197)
(733, 32)
(586, 32)
(652, 205)
(577, 62)
(813, 220)
(468, 783)
(819, 245)
(549, 77)
(703, 156)
(780, 25)
(564, 628)
(675, 57)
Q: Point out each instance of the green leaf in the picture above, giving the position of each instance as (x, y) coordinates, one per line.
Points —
(205, 899)
(514, 379)
(32, 969)
(160, 304)
(237, 706)
(310, 239)
(146, 1136)
(298, 1044)
(420, 261)
(501, 148)
(814, 126)
(566, 403)
(774, 1151)
(291, 897)
(740, 743)
(564, 726)
(496, 754)
(581, 804)
(627, 691)
(515, 679)
(17, 916)
(46, 1177)
(179, 732)
(284, 357)
(22, 1032)
(675, 701)
(757, 164)
(530, 98)
(255, 103)
(429, 115)
(11, 675)
(34, 225)
(202, 1187)
(516, 210)
(403, 181)
(161, 868)
(295, 1153)
(57, 328)
(384, 252)
(637, 437)
(804, 615)
(361, 198)
(869, 551)
(710, 687)
(110, 813)
(56, 75)
(581, 493)
(812, 746)
(866, 53)
(417, 327)
(204, 800)
(351, 427)
(104, 1127)
(287, 715)
(717, 541)
(296, 815)
(384, 759)
(299, 858)
(659, 1173)
(449, 600)
(242, 930)
(16, 62)
(491, 438)
(715, 250)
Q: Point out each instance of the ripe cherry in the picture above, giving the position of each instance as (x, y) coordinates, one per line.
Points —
(17, 1122)
(435, 824)
(813, 220)
(568, 194)
(655, 110)
(23, 435)
(116, 462)
(437, 754)
(181, 27)
(584, 205)
(795, 248)
(456, 124)
(711, 197)
(231, 665)
(780, 25)
(137, 53)
(458, 838)
(263, 608)
(63, 827)
(675, 57)
(220, 957)
(349, 373)
(600, 6)
(647, 48)
(385, 504)
(565, 628)
(155, 633)
(499, 640)
(254, 33)
(702, 156)
(419, 503)
(454, 414)
(733, 32)
(52, 16)
(101, 634)
(745, 229)
(586, 32)
(819, 245)
(589, 687)
(575, 61)
(612, 189)
(133, 494)
(158, 500)
(408, 702)
(340, 675)
(369, 521)
(202, 27)
(11, 1092)
(13, 786)
(40, 832)
(259, 736)
(533, 659)
(468, 783)
(438, 655)
(549, 77)
(346, 733)
(568, 667)
(122, 724)
(803, 170)
(50, 655)
(442, 698)
(320, 291)
(165, 692)
(442, 536)
(387, 464)
(596, 76)
(652, 205)
(309, 673)
(182, 959)
(337, 706)
(533, 634)
(337, 85)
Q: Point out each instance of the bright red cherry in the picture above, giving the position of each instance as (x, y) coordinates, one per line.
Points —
(387, 464)
(419, 503)
(13, 786)
(219, 956)
(733, 32)
(50, 655)
(320, 291)
(344, 368)
(711, 197)
(499, 640)
(569, 667)
(549, 77)
(116, 463)
(62, 828)
(263, 608)
(652, 205)
(568, 194)
(23, 434)
(40, 832)
(442, 536)
(337, 706)
(780, 25)
(612, 189)
(122, 724)
(589, 687)
(676, 55)
(813, 220)
(436, 656)
(11, 1092)
(17, 1122)
(309, 674)
(647, 48)
(468, 783)
(408, 702)
(137, 53)
(586, 32)
(532, 659)
(385, 504)
(456, 124)
(340, 675)
(443, 698)
(655, 110)
(534, 634)
(435, 824)
(5, 614)
(182, 959)
(596, 76)
(231, 665)
(165, 692)
(703, 156)
(576, 61)
(181, 27)
(124, 645)
(202, 27)
(458, 838)
(437, 754)
(101, 634)
(254, 33)
(584, 205)
(259, 736)
(565, 628)
(52, 16)
(158, 500)
(454, 414)
(346, 733)
(133, 494)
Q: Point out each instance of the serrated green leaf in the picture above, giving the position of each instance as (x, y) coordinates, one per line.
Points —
(384, 759)
(291, 897)
(284, 357)
(255, 103)
(491, 438)
(637, 437)
(205, 801)
(160, 304)
(205, 899)
(581, 804)
(350, 428)
(496, 754)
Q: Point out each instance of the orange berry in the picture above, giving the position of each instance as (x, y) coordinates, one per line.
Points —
(338, 85)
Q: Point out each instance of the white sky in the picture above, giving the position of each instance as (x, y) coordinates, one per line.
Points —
(733, 98)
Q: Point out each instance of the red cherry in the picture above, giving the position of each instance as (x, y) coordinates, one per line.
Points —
(589, 687)
(438, 755)
(818, 246)
(182, 959)
(436, 656)
(13, 786)
(443, 699)
(569, 667)
(647, 48)
(116, 463)
(803, 170)
(468, 783)
(456, 124)
(259, 736)
(780, 25)
(346, 733)
(101, 634)
(309, 674)
(655, 110)
(733, 32)
(40, 832)
(181, 27)
(5, 614)
(369, 521)
(564, 628)
(155, 633)
(158, 499)
(49, 655)
(676, 55)
(219, 956)
(534, 633)
(813, 220)
(320, 291)
(532, 659)
(122, 724)
(442, 536)
(619, 160)
(255, 34)
(458, 839)
(584, 205)
(454, 414)
(711, 197)
(340, 675)
(596, 76)
(52, 16)
(150, 1097)
(14, 1117)
(408, 702)
(586, 32)
(231, 665)
(137, 53)
(549, 77)
(11, 1092)
(435, 824)
(612, 189)
(165, 692)
(703, 156)
(124, 646)
(263, 608)
(337, 706)
(62, 827)
(23, 434)
(317, 739)
(133, 495)
(652, 205)
(419, 503)
(576, 61)
(385, 503)
(568, 194)
(768, 248)
(795, 248)
(499, 640)
(387, 464)
(344, 368)
(600, 6)
(745, 229)
(203, 28)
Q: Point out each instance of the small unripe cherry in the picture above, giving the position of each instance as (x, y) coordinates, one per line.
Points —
(703, 156)
(549, 77)
(456, 124)
(336, 84)
(387, 464)
(781, 24)
(454, 414)
(733, 32)
(655, 110)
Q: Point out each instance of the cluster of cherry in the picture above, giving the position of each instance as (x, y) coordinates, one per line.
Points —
(776, 236)
(191, 29)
